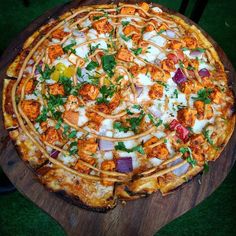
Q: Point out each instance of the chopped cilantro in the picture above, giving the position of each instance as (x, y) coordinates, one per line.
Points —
(206, 167)
(92, 65)
(92, 49)
(67, 84)
(185, 49)
(156, 123)
(73, 148)
(43, 116)
(200, 49)
(79, 72)
(107, 92)
(189, 159)
(161, 31)
(65, 129)
(203, 95)
(69, 48)
(120, 127)
(135, 121)
(124, 23)
(93, 80)
(176, 93)
(108, 64)
(125, 38)
(59, 123)
(181, 64)
(136, 106)
(72, 134)
(208, 136)
(190, 68)
(137, 51)
(45, 75)
(121, 146)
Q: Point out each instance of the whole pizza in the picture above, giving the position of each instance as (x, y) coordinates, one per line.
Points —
(116, 102)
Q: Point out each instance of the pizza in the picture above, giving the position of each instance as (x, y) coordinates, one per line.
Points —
(112, 103)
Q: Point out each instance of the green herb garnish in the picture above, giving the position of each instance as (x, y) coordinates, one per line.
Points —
(137, 51)
(45, 75)
(108, 64)
(125, 38)
(121, 146)
(125, 23)
(72, 134)
(69, 48)
(107, 92)
(189, 159)
(203, 95)
(120, 127)
(43, 116)
(92, 65)
(176, 93)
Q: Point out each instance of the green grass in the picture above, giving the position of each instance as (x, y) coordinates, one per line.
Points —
(214, 216)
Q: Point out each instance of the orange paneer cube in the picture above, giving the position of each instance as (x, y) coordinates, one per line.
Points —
(55, 51)
(187, 117)
(127, 11)
(31, 108)
(102, 26)
(156, 91)
(56, 89)
(89, 91)
(125, 55)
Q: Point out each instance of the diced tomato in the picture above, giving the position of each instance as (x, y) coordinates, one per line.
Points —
(181, 131)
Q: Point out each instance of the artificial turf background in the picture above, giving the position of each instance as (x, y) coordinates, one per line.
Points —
(214, 216)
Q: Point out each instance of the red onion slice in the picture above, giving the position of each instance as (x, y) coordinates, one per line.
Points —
(124, 164)
(204, 72)
(195, 53)
(105, 145)
(139, 90)
(54, 153)
(179, 77)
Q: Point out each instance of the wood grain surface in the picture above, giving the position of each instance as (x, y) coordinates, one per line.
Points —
(141, 217)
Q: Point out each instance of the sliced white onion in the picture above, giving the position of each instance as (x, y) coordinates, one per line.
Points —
(84, 77)
(31, 62)
(156, 9)
(139, 90)
(170, 34)
(77, 33)
(155, 111)
(105, 145)
(182, 169)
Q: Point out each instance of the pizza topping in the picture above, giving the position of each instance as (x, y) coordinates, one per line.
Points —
(156, 91)
(179, 77)
(124, 55)
(89, 91)
(31, 108)
(55, 51)
(52, 136)
(56, 89)
(59, 34)
(187, 117)
(137, 100)
(124, 164)
(102, 26)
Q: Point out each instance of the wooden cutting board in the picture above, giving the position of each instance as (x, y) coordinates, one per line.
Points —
(141, 217)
